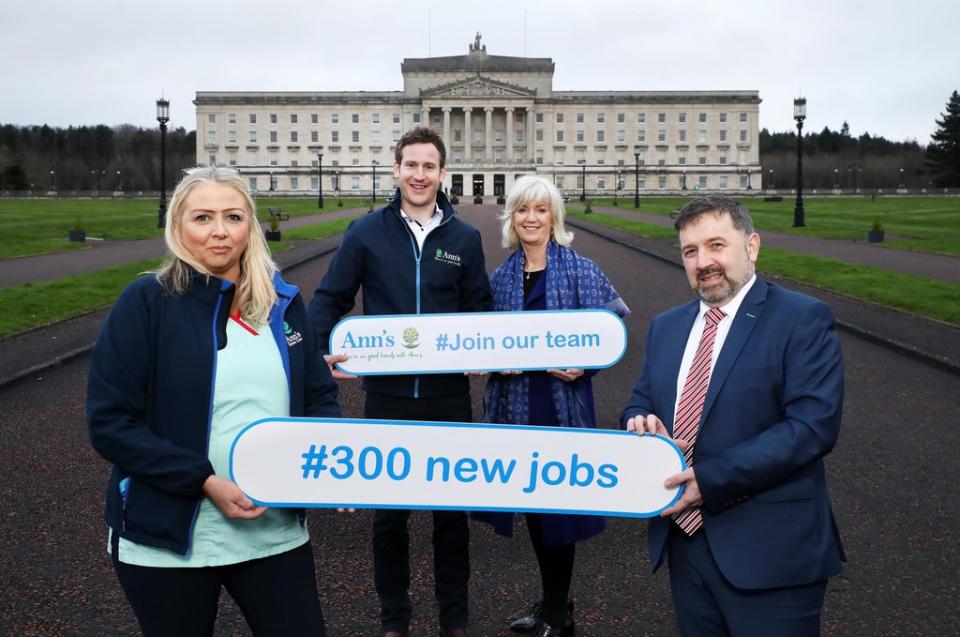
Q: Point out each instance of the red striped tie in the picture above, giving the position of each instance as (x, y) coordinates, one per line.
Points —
(687, 421)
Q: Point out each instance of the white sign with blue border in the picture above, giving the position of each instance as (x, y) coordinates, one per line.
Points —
(479, 341)
(305, 462)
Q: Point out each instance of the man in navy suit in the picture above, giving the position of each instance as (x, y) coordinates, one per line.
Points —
(748, 380)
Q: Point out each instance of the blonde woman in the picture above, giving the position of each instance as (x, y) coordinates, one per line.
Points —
(189, 356)
(544, 273)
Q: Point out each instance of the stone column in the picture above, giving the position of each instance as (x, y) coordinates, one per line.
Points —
(531, 154)
(446, 127)
(509, 133)
(488, 133)
(467, 134)
(424, 116)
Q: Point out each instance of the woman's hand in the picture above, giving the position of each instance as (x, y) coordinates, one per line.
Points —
(332, 360)
(230, 499)
(566, 375)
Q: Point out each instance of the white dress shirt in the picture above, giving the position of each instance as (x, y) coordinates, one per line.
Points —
(723, 328)
(421, 230)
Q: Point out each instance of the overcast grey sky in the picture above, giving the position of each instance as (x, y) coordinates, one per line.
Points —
(887, 66)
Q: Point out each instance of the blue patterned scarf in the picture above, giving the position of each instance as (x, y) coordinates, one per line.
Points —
(572, 282)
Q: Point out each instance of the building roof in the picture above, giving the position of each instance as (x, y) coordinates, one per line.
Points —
(478, 63)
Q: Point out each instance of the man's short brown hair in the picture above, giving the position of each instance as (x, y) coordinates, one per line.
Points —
(421, 135)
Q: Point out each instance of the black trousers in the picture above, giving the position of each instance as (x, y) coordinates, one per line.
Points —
(391, 539)
(277, 596)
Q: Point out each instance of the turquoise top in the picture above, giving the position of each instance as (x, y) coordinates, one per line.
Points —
(250, 384)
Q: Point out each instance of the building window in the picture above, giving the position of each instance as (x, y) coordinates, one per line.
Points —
(600, 135)
(498, 136)
(743, 118)
(334, 118)
(621, 118)
(743, 181)
(723, 134)
(374, 118)
(253, 184)
(478, 137)
(682, 159)
(559, 118)
(641, 183)
(355, 136)
(293, 137)
(682, 135)
(621, 135)
(703, 181)
(641, 135)
(601, 183)
(396, 118)
(231, 118)
(293, 118)
(662, 135)
(355, 118)
(560, 136)
(231, 137)
(375, 137)
(253, 118)
(273, 118)
(743, 135)
(212, 137)
(539, 135)
(600, 161)
(273, 137)
(662, 181)
(355, 183)
(416, 118)
(314, 183)
(723, 159)
(703, 118)
(682, 118)
(294, 183)
(334, 137)
(579, 118)
(251, 159)
(662, 161)
(702, 160)
(702, 139)
(314, 137)
(253, 137)
(539, 118)
(601, 118)
(294, 163)
(722, 182)
(641, 118)
(559, 181)
(396, 135)
(211, 118)
(723, 118)
(580, 136)
(661, 118)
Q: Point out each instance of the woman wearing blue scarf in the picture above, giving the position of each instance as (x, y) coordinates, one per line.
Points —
(543, 273)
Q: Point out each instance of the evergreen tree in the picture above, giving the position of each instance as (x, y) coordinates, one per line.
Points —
(943, 153)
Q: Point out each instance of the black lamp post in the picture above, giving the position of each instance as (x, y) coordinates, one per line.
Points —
(320, 177)
(373, 186)
(119, 183)
(749, 185)
(799, 114)
(163, 116)
(583, 182)
(53, 183)
(901, 178)
(636, 176)
(771, 184)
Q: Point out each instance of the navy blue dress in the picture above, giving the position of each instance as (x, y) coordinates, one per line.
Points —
(557, 529)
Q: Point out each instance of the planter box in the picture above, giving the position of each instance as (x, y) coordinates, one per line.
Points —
(273, 235)
(875, 236)
(478, 200)
(77, 235)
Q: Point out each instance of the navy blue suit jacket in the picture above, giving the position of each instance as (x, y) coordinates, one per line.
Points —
(772, 412)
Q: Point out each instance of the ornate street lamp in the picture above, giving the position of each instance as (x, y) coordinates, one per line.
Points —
(320, 175)
(749, 185)
(53, 182)
(684, 186)
(583, 181)
(373, 186)
(901, 178)
(799, 114)
(119, 183)
(636, 176)
(771, 185)
(163, 116)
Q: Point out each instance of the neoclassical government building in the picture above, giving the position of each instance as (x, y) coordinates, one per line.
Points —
(500, 119)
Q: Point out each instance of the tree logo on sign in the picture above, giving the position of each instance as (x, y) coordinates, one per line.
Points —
(411, 337)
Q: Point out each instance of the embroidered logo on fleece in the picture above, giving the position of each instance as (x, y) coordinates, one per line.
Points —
(292, 337)
(446, 257)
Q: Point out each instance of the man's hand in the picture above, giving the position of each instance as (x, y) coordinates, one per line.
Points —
(566, 375)
(331, 360)
(691, 493)
(230, 499)
(650, 424)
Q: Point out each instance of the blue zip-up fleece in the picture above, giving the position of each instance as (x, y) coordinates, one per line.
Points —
(380, 253)
(150, 397)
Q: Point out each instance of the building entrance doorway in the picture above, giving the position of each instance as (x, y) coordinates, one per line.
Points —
(478, 185)
(498, 185)
(456, 185)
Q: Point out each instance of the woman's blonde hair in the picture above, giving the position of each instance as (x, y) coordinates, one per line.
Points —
(530, 190)
(255, 295)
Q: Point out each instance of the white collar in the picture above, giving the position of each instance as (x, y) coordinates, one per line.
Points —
(733, 305)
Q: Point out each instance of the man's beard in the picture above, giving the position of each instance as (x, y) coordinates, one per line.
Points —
(720, 294)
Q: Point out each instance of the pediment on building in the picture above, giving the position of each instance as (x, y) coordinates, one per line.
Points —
(478, 86)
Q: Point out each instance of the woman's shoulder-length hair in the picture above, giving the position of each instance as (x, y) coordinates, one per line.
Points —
(529, 190)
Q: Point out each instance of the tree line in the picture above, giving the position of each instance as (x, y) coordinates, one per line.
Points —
(94, 159)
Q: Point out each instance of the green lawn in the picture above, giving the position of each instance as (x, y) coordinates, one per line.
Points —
(925, 224)
(37, 226)
(927, 297)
